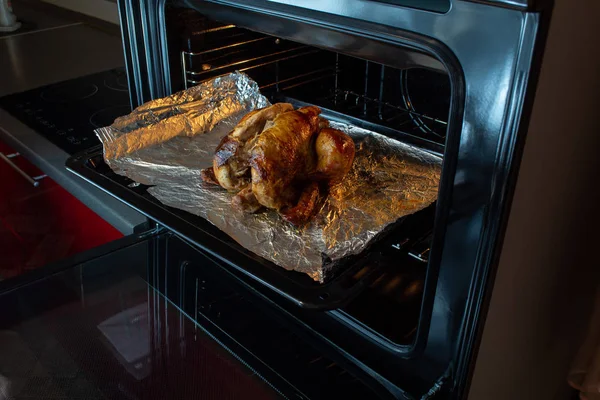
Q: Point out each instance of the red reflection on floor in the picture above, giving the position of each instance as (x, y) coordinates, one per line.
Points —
(39, 225)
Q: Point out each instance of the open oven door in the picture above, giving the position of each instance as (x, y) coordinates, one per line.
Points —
(151, 316)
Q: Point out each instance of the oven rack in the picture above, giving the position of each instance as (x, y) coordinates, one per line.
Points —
(352, 278)
(195, 77)
(399, 117)
(389, 276)
(378, 111)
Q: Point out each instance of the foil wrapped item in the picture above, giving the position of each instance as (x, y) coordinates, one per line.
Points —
(165, 143)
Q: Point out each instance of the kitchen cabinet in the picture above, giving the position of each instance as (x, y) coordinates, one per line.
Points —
(39, 225)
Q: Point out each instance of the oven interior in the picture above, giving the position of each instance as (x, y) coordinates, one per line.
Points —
(399, 102)
(410, 104)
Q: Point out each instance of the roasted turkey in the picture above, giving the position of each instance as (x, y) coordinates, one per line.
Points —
(230, 163)
(283, 159)
(335, 154)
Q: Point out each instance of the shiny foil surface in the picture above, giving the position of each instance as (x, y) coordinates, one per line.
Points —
(166, 143)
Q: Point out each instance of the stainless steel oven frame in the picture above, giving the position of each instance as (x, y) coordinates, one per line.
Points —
(491, 51)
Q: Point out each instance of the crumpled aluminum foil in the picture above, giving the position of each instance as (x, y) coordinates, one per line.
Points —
(166, 142)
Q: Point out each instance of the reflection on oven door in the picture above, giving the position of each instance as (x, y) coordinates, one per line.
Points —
(128, 336)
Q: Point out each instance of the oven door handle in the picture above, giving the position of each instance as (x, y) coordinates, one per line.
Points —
(35, 181)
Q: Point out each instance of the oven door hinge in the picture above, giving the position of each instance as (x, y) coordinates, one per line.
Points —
(440, 386)
(148, 229)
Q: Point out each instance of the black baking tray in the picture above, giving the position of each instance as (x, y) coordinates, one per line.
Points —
(356, 274)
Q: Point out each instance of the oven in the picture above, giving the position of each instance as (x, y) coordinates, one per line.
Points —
(454, 78)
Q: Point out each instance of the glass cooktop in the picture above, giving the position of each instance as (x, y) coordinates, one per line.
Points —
(66, 113)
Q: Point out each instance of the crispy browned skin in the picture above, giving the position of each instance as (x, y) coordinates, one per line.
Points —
(230, 163)
(335, 154)
(281, 159)
(283, 155)
(246, 201)
(208, 176)
(306, 206)
(323, 123)
(334, 157)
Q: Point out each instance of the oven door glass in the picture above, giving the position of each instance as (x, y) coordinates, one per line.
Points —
(99, 329)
